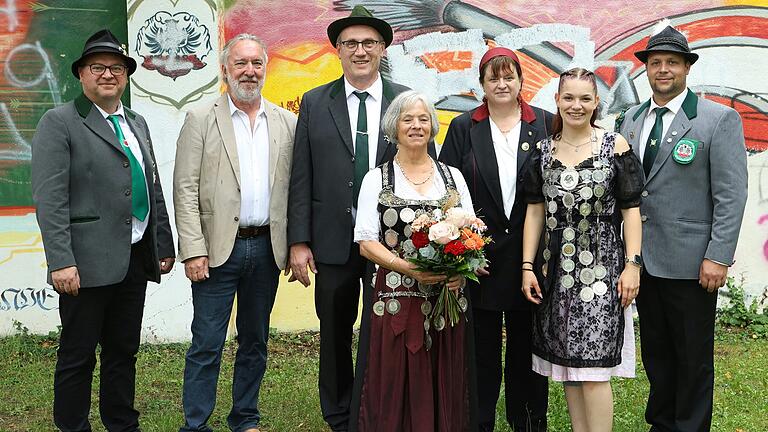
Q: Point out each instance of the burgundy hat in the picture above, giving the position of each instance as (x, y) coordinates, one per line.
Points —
(499, 52)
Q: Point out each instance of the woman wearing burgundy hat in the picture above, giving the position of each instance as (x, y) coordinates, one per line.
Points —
(491, 145)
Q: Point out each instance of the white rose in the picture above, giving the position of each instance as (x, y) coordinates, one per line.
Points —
(459, 217)
(442, 233)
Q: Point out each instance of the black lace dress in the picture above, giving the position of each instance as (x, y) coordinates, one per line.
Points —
(580, 330)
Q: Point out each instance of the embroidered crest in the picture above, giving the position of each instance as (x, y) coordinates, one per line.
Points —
(685, 151)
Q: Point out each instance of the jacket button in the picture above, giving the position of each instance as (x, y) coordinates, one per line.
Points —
(644, 194)
(350, 184)
(237, 218)
(127, 192)
(644, 218)
(349, 210)
(506, 230)
(353, 158)
(128, 221)
(126, 164)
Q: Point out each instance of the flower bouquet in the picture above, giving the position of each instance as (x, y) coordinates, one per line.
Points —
(449, 241)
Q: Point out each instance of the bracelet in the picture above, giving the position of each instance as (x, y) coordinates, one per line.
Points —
(527, 262)
(527, 269)
(391, 261)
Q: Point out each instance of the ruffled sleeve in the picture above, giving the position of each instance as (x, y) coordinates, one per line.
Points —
(629, 179)
(534, 183)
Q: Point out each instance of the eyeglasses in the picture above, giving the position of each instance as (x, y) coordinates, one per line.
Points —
(115, 69)
(368, 44)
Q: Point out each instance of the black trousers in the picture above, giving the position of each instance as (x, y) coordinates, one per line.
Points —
(677, 333)
(109, 316)
(525, 391)
(337, 291)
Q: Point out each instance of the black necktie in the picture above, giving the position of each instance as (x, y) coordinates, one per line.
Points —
(654, 140)
(361, 145)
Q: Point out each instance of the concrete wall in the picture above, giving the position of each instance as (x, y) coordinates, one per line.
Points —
(436, 50)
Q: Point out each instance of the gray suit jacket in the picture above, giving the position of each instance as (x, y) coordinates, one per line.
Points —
(692, 211)
(81, 184)
(320, 199)
(206, 181)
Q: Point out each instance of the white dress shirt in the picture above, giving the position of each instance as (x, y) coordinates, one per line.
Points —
(505, 146)
(137, 226)
(674, 106)
(253, 155)
(373, 110)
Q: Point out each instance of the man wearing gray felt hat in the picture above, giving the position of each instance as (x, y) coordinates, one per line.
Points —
(693, 148)
(105, 232)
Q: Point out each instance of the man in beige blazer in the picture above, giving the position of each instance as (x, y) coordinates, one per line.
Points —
(230, 192)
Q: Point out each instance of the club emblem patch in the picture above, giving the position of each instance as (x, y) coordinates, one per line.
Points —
(685, 151)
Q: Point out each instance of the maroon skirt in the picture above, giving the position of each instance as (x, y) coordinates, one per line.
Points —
(407, 387)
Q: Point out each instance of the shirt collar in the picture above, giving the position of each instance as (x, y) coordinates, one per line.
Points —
(233, 109)
(674, 105)
(375, 91)
(119, 111)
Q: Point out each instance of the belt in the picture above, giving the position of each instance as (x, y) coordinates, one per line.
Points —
(252, 231)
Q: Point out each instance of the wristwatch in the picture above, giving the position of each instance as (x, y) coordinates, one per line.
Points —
(636, 260)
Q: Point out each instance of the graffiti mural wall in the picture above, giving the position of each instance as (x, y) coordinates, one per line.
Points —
(438, 44)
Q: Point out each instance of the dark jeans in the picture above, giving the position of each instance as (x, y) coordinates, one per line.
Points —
(251, 273)
(337, 291)
(525, 391)
(677, 333)
(109, 316)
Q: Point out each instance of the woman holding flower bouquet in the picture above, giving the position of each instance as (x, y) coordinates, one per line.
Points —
(415, 213)
(584, 183)
(492, 145)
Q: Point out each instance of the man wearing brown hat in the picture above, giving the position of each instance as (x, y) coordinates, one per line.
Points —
(105, 231)
(329, 162)
(691, 148)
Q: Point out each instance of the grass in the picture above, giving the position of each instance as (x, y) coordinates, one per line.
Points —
(289, 400)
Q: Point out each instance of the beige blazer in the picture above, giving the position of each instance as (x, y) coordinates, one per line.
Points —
(206, 181)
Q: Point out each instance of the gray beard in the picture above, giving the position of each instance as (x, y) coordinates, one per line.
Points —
(242, 93)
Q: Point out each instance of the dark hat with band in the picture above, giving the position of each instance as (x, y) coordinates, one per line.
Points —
(103, 41)
(360, 16)
(669, 40)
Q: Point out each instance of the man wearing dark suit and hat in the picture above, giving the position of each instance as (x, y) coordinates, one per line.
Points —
(329, 162)
(105, 231)
(691, 148)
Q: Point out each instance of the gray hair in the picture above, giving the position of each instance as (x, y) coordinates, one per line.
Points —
(224, 55)
(402, 102)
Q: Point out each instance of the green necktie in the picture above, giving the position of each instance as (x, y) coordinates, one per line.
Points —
(361, 145)
(139, 199)
(654, 140)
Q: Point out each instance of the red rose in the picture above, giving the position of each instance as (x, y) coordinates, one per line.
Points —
(455, 248)
(420, 239)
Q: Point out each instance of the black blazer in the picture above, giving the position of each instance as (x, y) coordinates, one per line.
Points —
(320, 197)
(469, 148)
